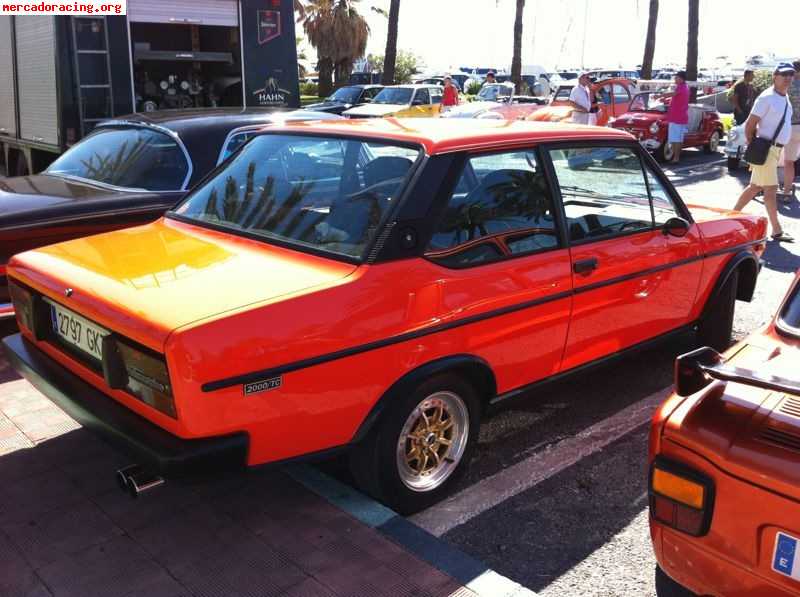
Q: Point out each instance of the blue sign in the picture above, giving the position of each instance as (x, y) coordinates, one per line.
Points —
(785, 548)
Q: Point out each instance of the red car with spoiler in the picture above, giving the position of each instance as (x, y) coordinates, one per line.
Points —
(373, 286)
(725, 467)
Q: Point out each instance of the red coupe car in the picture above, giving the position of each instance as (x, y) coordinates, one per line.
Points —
(373, 286)
(725, 467)
(646, 119)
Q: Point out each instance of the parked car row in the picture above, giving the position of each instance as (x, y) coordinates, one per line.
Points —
(227, 289)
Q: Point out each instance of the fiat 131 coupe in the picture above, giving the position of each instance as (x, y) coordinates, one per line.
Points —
(725, 467)
(373, 286)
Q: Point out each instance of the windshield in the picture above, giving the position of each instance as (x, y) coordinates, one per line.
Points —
(490, 93)
(328, 194)
(345, 95)
(789, 319)
(647, 102)
(393, 95)
(130, 157)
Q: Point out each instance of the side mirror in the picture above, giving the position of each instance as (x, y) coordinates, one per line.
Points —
(677, 227)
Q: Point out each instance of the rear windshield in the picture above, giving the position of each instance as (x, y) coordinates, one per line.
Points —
(323, 193)
(789, 320)
(129, 157)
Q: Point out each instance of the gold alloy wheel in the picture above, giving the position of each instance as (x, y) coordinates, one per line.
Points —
(432, 441)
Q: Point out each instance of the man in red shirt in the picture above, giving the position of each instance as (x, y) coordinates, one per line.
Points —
(449, 95)
(678, 115)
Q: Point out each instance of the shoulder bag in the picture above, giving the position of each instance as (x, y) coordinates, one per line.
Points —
(758, 149)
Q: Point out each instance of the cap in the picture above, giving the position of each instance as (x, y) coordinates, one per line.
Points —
(784, 68)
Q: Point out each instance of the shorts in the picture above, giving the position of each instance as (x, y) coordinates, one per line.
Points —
(792, 150)
(766, 175)
(676, 132)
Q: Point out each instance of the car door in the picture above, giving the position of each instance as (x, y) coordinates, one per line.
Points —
(632, 282)
(499, 245)
(621, 98)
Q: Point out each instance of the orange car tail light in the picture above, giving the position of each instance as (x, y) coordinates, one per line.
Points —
(680, 497)
(23, 304)
(139, 371)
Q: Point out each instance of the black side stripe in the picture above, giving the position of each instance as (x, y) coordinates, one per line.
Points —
(443, 327)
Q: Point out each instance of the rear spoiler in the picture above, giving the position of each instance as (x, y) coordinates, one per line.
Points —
(695, 370)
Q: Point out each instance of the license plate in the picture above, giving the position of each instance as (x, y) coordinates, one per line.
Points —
(786, 559)
(77, 331)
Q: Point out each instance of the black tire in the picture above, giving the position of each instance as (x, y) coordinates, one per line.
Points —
(716, 327)
(373, 462)
(712, 146)
(666, 587)
(661, 153)
(733, 164)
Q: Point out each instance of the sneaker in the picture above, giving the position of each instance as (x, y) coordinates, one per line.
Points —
(783, 237)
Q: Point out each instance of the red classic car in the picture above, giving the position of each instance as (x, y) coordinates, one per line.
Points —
(647, 121)
(725, 467)
(373, 286)
(613, 97)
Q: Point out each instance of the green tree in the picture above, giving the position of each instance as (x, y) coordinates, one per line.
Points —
(339, 34)
(650, 41)
(406, 65)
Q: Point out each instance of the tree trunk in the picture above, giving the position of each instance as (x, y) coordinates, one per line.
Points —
(390, 56)
(325, 77)
(342, 71)
(691, 49)
(516, 60)
(650, 41)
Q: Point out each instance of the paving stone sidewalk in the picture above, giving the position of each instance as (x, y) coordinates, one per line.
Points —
(66, 529)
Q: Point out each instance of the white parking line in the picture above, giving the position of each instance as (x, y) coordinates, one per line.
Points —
(487, 493)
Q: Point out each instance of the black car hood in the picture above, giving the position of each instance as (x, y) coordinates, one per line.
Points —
(327, 106)
(27, 200)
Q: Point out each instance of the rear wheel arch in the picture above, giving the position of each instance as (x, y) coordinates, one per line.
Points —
(746, 263)
(474, 369)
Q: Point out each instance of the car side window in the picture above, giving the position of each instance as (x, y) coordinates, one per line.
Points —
(663, 205)
(234, 143)
(422, 96)
(501, 207)
(436, 96)
(621, 94)
(603, 190)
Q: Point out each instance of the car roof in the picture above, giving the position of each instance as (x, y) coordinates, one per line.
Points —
(443, 135)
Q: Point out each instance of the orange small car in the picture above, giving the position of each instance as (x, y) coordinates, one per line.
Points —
(725, 467)
(613, 97)
(373, 286)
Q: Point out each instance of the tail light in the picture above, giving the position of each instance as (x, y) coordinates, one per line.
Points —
(23, 305)
(681, 497)
(138, 371)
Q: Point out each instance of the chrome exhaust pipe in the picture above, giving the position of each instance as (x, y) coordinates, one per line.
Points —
(143, 481)
(125, 472)
(134, 480)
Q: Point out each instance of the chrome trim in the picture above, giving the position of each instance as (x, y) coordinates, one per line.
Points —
(161, 129)
(6, 314)
(97, 183)
(241, 129)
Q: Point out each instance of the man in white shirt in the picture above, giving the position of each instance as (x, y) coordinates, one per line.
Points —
(580, 100)
(771, 110)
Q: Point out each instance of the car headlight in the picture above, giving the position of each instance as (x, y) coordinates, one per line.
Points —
(654, 128)
(733, 134)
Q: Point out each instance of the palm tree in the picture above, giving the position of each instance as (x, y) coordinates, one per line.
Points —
(339, 35)
(390, 56)
(516, 60)
(691, 50)
(650, 41)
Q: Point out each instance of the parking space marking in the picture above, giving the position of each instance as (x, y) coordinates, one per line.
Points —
(491, 491)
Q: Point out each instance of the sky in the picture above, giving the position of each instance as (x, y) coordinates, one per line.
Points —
(447, 34)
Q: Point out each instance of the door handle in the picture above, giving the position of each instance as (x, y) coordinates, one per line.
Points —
(584, 266)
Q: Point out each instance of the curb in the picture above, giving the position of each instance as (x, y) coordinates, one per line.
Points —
(465, 569)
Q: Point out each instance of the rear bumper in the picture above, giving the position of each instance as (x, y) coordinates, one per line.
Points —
(146, 443)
